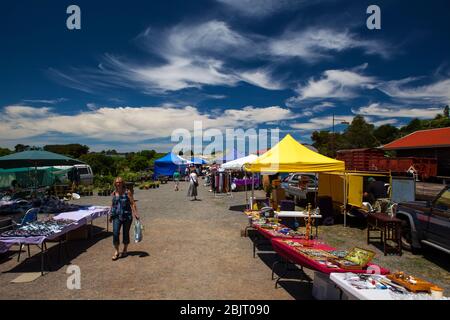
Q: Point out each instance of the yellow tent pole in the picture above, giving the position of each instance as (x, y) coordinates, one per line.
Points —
(345, 199)
(253, 190)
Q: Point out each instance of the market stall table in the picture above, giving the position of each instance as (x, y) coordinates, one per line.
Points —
(277, 231)
(79, 218)
(300, 214)
(344, 282)
(290, 250)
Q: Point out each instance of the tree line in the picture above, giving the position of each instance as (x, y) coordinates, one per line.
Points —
(105, 164)
(361, 134)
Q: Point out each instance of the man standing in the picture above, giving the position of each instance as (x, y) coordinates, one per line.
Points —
(375, 190)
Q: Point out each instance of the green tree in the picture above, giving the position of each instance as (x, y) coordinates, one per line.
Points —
(73, 150)
(100, 163)
(21, 147)
(359, 134)
(386, 133)
(446, 112)
(138, 163)
(148, 154)
(328, 143)
(5, 152)
(414, 125)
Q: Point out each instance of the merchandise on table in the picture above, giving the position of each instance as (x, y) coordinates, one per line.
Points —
(410, 282)
(39, 228)
(339, 253)
(276, 229)
(333, 259)
(364, 281)
(49, 205)
(397, 291)
(356, 259)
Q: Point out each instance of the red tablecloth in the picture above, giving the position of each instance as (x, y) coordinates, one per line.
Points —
(290, 253)
(270, 233)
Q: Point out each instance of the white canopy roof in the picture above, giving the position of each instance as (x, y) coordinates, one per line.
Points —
(239, 163)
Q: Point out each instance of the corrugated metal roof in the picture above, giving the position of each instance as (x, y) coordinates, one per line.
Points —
(422, 139)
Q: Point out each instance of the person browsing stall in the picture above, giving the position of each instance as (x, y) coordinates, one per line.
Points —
(375, 190)
(193, 184)
(176, 179)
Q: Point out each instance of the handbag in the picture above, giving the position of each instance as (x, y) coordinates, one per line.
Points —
(138, 231)
(195, 182)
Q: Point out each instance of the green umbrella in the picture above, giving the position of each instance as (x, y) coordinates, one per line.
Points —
(35, 158)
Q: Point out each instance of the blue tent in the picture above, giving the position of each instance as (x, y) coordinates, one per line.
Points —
(168, 164)
(195, 160)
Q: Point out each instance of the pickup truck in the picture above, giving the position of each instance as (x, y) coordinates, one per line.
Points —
(291, 186)
(426, 223)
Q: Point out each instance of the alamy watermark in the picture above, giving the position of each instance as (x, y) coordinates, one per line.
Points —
(374, 20)
(74, 280)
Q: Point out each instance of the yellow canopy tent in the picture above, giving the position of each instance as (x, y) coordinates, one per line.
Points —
(291, 156)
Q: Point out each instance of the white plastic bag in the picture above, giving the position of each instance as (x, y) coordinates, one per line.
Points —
(138, 231)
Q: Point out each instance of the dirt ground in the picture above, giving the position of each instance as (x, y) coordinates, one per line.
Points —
(190, 250)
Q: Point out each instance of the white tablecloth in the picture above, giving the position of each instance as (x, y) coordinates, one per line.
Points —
(373, 294)
(295, 214)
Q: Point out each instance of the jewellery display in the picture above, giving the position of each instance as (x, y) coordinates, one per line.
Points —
(39, 228)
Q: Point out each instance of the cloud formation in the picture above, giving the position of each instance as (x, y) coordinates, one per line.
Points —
(261, 8)
(195, 55)
(436, 92)
(381, 110)
(127, 124)
(323, 122)
(335, 84)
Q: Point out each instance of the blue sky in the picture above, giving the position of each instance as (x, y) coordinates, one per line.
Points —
(137, 70)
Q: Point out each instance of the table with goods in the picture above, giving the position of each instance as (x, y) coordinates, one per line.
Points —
(395, 286)
(268, 226)
(51, 228)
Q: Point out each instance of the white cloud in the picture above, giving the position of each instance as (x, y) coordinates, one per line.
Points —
(316, 44)
(338, 84)
(261, 78)
(320, 123)
(127, 124)
(380, 110)
(210, 37)
(437, 92)
(45, 101)
(261, 8)
(383, 122)
(192, 56)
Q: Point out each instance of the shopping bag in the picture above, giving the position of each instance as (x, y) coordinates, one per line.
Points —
(138, 231)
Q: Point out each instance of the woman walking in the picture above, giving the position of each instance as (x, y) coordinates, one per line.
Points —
(122, 211)
(176, 179)
(193, 184)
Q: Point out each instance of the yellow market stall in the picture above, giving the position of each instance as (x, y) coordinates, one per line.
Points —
(291, 156)
(346, 188)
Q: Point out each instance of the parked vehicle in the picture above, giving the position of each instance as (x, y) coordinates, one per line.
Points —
(300, 186)
(86, 174)
(426, 223)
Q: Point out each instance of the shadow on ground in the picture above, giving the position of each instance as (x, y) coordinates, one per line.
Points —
(238, 208)
(57, 255)
(292, 278)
